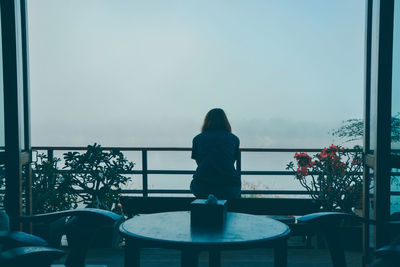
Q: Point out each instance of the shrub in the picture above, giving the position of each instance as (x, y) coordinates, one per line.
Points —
(98, 176)
(51, 191)
(333, 177)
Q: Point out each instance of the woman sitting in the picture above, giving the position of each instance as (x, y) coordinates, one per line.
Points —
(215, 150)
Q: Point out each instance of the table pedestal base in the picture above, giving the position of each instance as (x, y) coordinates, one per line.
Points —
(215, 258)
(132, 256)
(280, 253)
(189, 258)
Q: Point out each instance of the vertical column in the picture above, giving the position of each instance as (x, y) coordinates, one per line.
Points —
(13, 198)
(367, 116)
(26, 108)
(383, 126)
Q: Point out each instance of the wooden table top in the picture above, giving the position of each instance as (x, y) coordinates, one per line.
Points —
(174, 227)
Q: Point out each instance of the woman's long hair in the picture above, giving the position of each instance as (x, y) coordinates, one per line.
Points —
(216, 120)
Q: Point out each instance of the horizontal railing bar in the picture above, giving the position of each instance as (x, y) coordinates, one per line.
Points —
(243, 192)
(248, 149)
(248, 192)
(157, 191)
(277, 173)
(185, 191)
(65, 148)
(283, 173)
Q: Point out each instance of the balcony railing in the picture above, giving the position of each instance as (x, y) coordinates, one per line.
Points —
(145, 171)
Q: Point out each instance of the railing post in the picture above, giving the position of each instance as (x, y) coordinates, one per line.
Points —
(239, 165)
(144, 173)
(50, 155)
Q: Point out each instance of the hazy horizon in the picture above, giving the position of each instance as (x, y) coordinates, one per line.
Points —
(144, 73)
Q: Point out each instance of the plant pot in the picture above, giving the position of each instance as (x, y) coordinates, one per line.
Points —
(4, 221)
(106, 236)
(52, 232)
(349, 234)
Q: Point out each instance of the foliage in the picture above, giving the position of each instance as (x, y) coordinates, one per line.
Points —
(2, 185)
(99, 175)
(353, 129)
(396, 128)
(332, 176)
(50, 190)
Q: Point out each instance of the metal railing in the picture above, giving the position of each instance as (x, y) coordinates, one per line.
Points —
(145, 171)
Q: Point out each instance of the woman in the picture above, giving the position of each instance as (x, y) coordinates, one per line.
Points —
(215, 150)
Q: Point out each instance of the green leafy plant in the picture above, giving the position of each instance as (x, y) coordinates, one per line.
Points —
(98, 176)
(51, 191)
(333, 177)
(353, 129)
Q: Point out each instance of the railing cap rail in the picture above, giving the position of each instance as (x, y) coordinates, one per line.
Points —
(246, 149)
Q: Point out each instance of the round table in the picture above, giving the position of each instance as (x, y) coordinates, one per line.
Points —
(173, 230)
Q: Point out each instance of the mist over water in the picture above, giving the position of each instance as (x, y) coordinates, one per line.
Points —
(144, 73)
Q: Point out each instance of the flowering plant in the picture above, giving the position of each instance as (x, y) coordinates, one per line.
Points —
(333, 176)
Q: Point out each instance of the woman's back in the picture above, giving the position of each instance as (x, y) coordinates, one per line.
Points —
(215, 150)
(215, 153)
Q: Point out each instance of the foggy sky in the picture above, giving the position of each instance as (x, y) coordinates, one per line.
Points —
(144, 73)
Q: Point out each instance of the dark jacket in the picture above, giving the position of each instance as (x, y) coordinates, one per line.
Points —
(215, 153)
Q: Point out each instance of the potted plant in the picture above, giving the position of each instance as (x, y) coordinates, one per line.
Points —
(334, 178)
(50, 192)
(97, 176)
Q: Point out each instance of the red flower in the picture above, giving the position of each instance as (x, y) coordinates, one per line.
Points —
(331, 170)
(322, 155)
(304, 170)
(303, 159)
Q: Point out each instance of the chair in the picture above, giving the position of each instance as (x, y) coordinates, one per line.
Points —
(388, 256)
(80, 229)
(20, 249)
(327, 223)
(29, 256)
